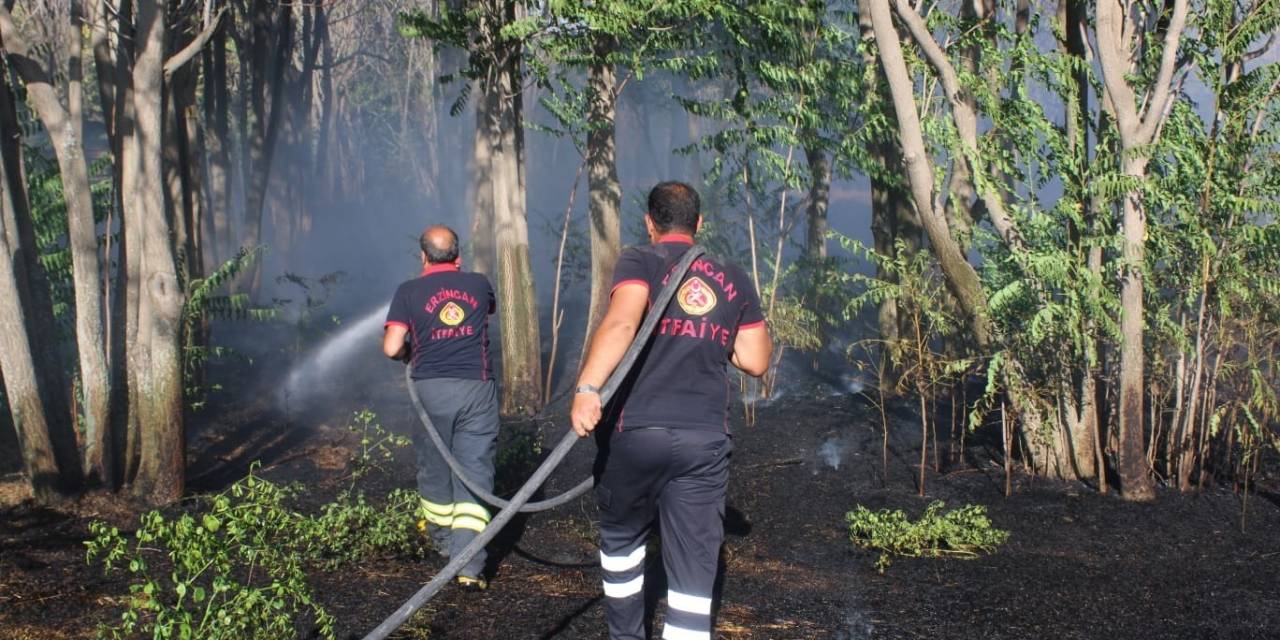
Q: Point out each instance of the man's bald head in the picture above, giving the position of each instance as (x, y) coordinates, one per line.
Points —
(440, 244)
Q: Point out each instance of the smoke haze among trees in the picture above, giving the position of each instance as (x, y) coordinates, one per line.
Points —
(1060, 217)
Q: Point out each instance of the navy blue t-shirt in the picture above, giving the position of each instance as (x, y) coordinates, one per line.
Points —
(681, 379)
(447, 314)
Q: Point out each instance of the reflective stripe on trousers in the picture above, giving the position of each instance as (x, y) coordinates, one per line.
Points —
(465, 414)
(679, 476)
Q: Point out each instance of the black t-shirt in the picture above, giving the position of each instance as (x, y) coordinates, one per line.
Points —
(681, 380)
(447, 314)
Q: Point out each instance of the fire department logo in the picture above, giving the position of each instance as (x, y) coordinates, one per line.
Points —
(696, 297)
(452, 314)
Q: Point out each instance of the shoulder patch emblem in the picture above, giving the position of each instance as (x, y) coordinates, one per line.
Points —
(452, 314)
(696, 297)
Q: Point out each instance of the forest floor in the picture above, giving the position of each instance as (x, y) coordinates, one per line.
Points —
(1077, 564)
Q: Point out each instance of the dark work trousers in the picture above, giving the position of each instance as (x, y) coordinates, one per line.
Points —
(678, 475)
(465, 413)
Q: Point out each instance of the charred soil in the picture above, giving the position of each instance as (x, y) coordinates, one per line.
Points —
(1077, 564)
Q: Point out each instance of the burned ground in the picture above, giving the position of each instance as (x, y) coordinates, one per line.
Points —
(1077, 564)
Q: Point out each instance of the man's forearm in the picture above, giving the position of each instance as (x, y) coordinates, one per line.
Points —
(607, 348)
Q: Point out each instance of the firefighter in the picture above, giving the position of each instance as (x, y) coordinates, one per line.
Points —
(665, 451)
(438, 324)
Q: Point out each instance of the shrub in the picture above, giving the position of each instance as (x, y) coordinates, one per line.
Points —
(965, 532)
(235, 566)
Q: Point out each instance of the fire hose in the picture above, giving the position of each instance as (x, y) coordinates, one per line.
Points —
(517, 503)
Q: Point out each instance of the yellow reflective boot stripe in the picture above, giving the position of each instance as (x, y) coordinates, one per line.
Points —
(469, 522)
(438, 514)
(471, 509)
(469, 515)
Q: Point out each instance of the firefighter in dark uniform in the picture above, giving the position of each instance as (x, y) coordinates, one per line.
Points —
(439, 324)
(666, 453)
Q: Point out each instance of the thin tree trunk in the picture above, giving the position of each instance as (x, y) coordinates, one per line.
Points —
(17, 361)
(604, 191)
(104, 61)
(64, 129)
(33, 290)
(819, 198)
(481, 185)
(1072, 15)
(268, 36)
(888, 210)
(962, 279)
(22, 386)
(1137, 128)
(1135, 480)
(218, 208)
(517, 302)
(159, 371)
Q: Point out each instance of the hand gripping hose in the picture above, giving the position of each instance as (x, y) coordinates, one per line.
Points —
(429, 590)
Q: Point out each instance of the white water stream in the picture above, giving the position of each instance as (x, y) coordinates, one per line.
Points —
(327, 363)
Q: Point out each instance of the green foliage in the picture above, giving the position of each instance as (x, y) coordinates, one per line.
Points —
(234, 565)
(233, 571)
(49, 217)
(965, 532)
(306, 308)
(376, 444)
(205, 302)
(925, 313)
(795, 325)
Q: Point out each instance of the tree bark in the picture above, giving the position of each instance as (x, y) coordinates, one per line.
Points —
(157, 358)
(819, 198)
(22, 385)
(1072, 16)
(517, 302)
(64, 134)
(1116, 32)
(603, 190)
(33, 291)
(481, 186)
(218, 245)
(962, 279)
(267, 77)
(23, 390)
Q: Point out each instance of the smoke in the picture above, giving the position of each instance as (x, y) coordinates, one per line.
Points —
(353, 183)
(324, 368)
(831, 451)
(857, 624)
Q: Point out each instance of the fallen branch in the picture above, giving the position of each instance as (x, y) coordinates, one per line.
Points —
(779, 463)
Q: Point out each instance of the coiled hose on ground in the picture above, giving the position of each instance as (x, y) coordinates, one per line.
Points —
(517, 503)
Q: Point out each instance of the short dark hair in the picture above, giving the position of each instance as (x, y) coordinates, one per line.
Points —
(436, 254)
(674, 206)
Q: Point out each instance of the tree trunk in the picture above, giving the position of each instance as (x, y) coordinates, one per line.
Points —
(891, 225)
(604, 192)
(481, 185)
(267, 77)
(33, 291)
(1135, 481)
(17, 359)
(1137, 126)
(962, 279)
(517, 302)
(218, 245)
(157, 360)
(64, 129)
(192, 199)
(819, 198)
(890, 211)
(1072, 15)
(22, 386)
